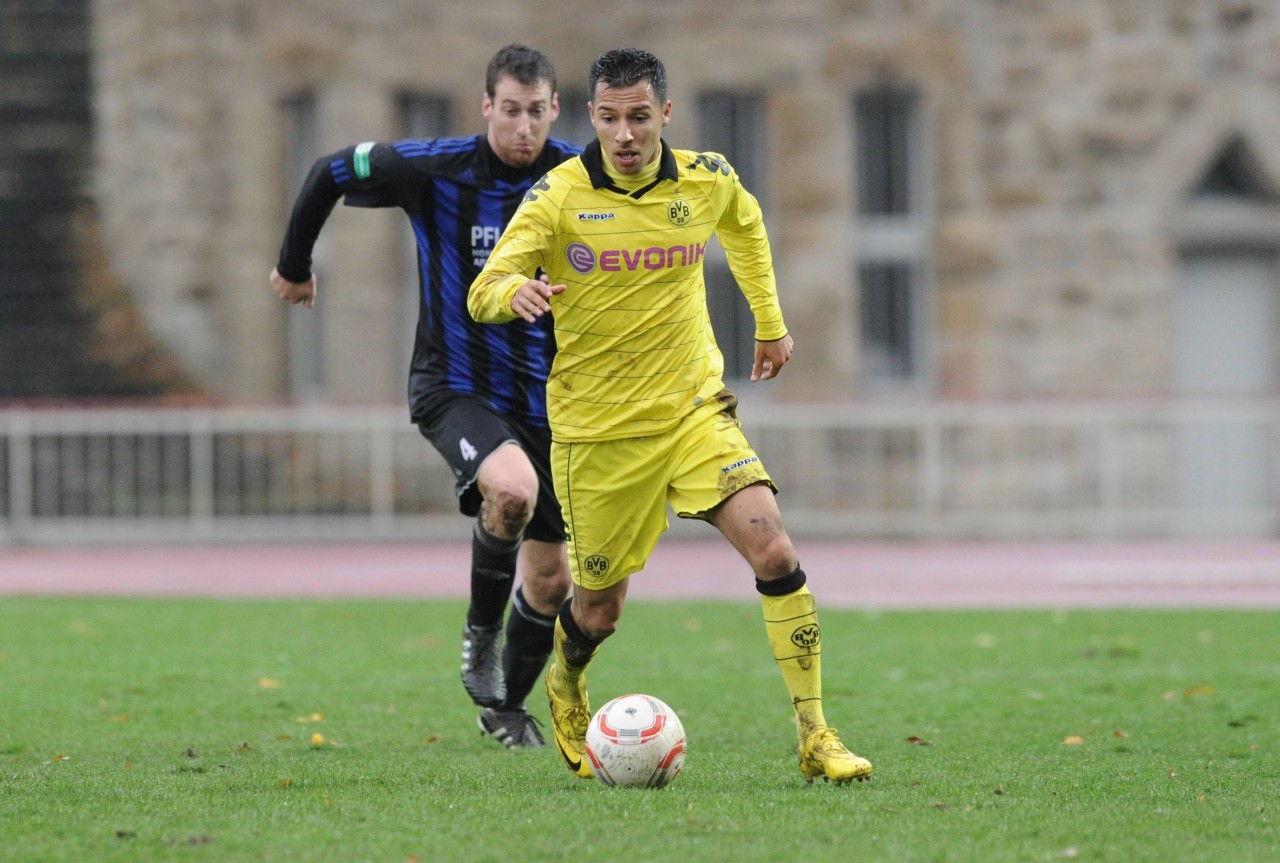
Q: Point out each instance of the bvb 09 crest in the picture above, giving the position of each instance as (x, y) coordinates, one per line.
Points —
(679, 212)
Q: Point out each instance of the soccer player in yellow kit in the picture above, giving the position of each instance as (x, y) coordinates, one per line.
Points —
(639, 413)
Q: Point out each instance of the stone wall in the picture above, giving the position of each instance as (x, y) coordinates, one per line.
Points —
(1062, 137)
(67, 328)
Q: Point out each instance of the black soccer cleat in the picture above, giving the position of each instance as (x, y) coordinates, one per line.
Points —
(482, 665)
(513, 727)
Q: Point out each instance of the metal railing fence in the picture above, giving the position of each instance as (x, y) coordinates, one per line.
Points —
(929, 470)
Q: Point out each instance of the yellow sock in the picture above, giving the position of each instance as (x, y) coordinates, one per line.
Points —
(791, 623)
(572, 659)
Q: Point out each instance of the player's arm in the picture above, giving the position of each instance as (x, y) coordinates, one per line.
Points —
(367, 175)
(512, 285)
(746, 243)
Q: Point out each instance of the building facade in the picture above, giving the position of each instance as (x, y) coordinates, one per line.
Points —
(995, 199)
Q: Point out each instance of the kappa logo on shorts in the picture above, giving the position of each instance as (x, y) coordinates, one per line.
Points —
(807, 636)
(596, 564)
(468, 451)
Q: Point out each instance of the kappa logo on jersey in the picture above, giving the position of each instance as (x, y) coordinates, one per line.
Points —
(712, 163)
(583, 258)
(595, 217)
(729, 468)
(532, 195)
(468, 451)
(679, 212)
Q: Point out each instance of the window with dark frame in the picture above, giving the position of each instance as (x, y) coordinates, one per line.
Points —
(886, 315)
(424, 115)
(304, 332)
(732, 122)
(574, 123)
(884, 118)
(891, 215)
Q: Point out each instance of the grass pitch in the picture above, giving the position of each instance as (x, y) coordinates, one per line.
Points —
(338, 731)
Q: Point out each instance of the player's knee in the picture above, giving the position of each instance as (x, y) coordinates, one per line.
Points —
(547, 588)
(774, 558)
(598, 620)
(507, 509)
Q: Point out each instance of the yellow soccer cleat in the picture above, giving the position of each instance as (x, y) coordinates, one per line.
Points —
(569, 721)
(822, 754)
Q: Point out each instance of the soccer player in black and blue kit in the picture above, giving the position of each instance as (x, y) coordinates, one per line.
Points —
(477, 392)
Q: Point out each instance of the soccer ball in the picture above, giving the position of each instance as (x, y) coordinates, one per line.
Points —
(635, 741)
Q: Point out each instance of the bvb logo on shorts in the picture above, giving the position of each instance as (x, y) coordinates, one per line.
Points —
(597, 565)
(679, 212)
(808, 636)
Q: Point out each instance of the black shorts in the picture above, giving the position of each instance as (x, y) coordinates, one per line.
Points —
(466, 431)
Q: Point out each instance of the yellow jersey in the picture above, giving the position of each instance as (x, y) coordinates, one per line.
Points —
(635, 351)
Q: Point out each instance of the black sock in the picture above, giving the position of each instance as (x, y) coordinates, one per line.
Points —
(493, 571)
(782, 586)
(578, 647)
(529, 638)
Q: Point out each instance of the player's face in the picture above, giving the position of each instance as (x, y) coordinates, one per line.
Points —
(520, 117)
(628, 121)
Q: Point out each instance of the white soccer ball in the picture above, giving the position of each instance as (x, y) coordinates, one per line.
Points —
(635, 741)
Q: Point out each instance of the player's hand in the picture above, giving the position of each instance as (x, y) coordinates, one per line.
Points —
(294, 292)
(770, 358)
(532, 300)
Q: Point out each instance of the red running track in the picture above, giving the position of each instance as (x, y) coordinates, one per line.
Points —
(852, 574)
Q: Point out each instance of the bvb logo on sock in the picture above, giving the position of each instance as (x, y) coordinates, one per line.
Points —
(808, 636)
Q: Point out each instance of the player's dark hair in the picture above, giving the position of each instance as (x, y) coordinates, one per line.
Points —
(623, 67)
(525, 64)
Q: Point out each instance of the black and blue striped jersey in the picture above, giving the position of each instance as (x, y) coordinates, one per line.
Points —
(459, 196)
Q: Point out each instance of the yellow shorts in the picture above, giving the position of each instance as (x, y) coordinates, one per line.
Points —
(614, 494)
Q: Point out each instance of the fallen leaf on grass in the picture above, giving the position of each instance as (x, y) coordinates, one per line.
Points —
(190, 840)
(126, 834)
(917, 741)
(1073, 740)
(1194, 691)
(1119, 733)
(269, 683)
(314, 717)
(317, 739)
